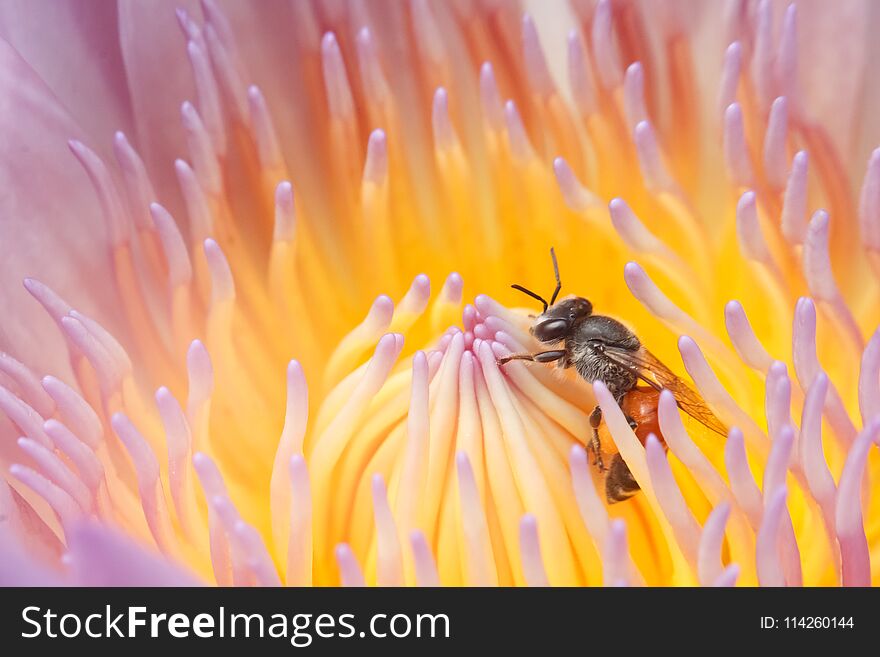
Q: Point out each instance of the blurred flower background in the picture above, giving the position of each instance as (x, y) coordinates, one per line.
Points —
(266, 251)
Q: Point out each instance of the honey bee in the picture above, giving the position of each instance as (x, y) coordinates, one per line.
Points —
(602, 349)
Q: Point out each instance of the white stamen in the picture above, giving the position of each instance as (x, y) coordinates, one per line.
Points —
(107, 341)
(786, 57)
(339, 100)
(479, 562)
(631, 230)
(108, 371)
(222, 283)
(576, 196)
(414, 471)
(742, 483)
(854, 550)
(173, 246)
(736, 152)
(775, 157)
(777, 402)
(201, 220)
(76, 412)
(604, 53)
(376, 165)
(289, 448)
(728, 577)
(869, 204)
(794, 202)
(88, 465)
(713, 391)
(452, 288)
(28, 384)
(654, 171)
(592, 509)
(807, 368)
(748, 231)
(389, 566)
(634, 95)
(681, 445)
(374, 82)
(208, 95)
(769, 567)
(673, 504)
(428, 37)
(61, 502)
(179, 441)
(213, 486)
(537, 74)
(615, 555)
(530, 552)
(425, 567)
(258, 560)
(812, 455)
(228, 76)
(580, 76)
(869, 379)
(493, 109)
(743, 338)
(516, 133)
(709, 566)
(349, 570)
(820, 277)
(191, 30)
(776, 468)
(265, 136)
(118, 221)
(201, 150)
(729, 77)
(51, 302)
(299, 539)
(444, 133)
(201, 384)
(285, 213)
(149, 485)
(763, 55)
(139, 189)
(55, 470)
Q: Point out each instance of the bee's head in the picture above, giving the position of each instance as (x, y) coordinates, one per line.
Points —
(555, 323)
(558, 319)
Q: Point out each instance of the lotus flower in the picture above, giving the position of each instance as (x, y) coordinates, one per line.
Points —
(197, 198)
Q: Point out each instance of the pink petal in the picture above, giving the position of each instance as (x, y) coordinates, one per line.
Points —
(159, 78)
(833, 65)
(38, 237)
(100, 556)
(74, 48)
(19, 568)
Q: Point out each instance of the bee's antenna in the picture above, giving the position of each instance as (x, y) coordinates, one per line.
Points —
(531, 294)
(558, 282)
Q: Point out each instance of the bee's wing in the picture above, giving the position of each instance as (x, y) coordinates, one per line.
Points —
(645, 365)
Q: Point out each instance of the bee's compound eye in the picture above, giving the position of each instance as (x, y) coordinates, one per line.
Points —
(551, 329)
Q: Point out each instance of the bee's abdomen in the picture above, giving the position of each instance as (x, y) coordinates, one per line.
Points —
(641, 404)
(620, 485)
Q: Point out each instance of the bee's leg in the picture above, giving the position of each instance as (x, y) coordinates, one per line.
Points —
(540, 357)
(595, 444)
